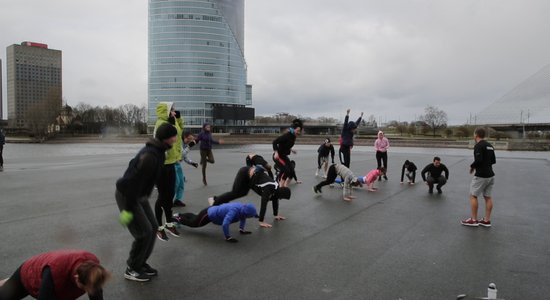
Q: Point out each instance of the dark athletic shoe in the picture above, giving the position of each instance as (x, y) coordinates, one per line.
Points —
(173, 231)
(178, 203)
(149, 271)
(439, 191)
(136, 276)
(161, 234)
(385, 177)
(484, 223)
(431, 190)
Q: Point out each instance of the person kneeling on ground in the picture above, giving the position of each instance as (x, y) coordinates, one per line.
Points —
(334, 171)
(434, 171)
(61, 274)
(223, 215)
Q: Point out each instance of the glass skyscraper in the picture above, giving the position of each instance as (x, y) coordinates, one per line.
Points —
(196, 60)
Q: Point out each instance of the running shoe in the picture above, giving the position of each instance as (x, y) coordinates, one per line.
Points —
(148, 270)
(172, 230)
(133, 275)
(161, 234)
(484, 223)
(470, 222)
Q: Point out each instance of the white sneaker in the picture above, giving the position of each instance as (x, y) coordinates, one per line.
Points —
(317, 173)
(324, 176)
(210, 201)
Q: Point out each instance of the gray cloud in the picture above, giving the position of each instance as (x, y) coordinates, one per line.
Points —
(386, 58)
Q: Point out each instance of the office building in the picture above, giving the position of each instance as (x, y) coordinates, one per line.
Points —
(33, 79)
(196, 60)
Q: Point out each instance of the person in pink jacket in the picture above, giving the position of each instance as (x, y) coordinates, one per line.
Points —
(370, 178)
(381, 145)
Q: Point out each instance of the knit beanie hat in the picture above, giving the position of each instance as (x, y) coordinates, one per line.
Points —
(165, 131)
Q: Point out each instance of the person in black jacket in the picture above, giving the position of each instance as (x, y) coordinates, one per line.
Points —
(132, 193)
(254, 159)
(409, 170)
(434, 171)
(257, 179)
(346, 139)
(483, 180)
(324, 150)
(282, 147)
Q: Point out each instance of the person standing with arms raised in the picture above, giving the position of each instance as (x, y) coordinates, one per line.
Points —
(346, 139)
(166, 184)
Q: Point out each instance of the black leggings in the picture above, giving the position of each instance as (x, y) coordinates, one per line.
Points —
(331, 177)
(166, 185)
(192, 220)
(1, 157)
(240, 187)
(345, 155)
(286, 167)
(382, 157)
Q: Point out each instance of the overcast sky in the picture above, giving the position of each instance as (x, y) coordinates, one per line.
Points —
(311, 57)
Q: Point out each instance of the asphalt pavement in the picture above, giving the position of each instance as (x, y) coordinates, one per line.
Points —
(397, 243)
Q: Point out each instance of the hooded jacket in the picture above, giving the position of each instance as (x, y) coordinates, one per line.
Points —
(142, 173)
(347, 133)
(174, 154)
(205, 138)
(228, 213)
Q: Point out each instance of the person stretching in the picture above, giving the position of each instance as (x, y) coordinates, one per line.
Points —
(334, 171)
(223, 215)
(61, 274)
(257, 179)
(371, 177)
(254, 159)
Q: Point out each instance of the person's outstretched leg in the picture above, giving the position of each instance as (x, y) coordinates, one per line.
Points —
(331, 177)
(13, 288)
(192, 220)
(240, 188)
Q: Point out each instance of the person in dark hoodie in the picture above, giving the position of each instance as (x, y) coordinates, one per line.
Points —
(409, 170)
(2, 142)
(257, 179)
(132, 193)
(346, 139)
(254, 159)
(206, 140)
(323, 152)
(282, 147)
(223, 215)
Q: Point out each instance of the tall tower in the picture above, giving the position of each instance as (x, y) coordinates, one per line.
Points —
(34, 78)
(196, 60)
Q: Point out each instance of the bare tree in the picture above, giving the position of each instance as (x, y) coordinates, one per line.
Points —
(434, 118)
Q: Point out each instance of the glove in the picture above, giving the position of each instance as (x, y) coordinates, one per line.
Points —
(125, 217)
(231, 240)
(195, 164)
(178, 114)
(242, 231)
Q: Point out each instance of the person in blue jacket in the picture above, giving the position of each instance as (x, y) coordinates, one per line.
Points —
(346, 139)
(223, 215)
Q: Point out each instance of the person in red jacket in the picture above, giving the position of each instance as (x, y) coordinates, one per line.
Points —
(61, 274)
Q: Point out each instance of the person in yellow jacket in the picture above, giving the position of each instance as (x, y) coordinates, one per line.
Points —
(166, 183)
